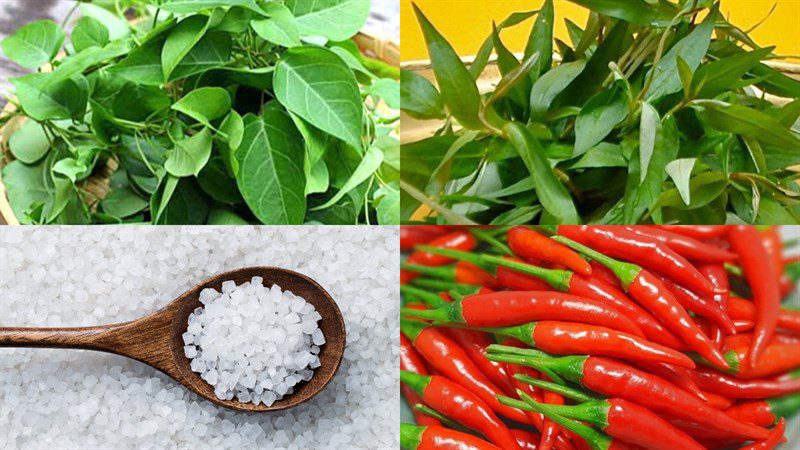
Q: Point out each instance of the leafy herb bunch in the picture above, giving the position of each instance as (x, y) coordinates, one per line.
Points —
(656, 111)
(211, 111)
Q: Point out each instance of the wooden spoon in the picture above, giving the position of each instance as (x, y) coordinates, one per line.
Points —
(156, 339)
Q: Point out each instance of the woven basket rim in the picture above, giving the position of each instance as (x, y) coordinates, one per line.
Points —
(387, 51)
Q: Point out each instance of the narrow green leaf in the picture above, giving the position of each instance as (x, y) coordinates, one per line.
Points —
(680, 171)
(718, 76)
(418, 98)
(649, 125)
(459, 92)
(485, 52)
(598, 118)
(541, 41)
(747, 122)
(551, 84)
(634, 11)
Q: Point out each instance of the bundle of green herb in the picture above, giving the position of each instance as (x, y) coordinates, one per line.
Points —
(214, 111)
(656, 112)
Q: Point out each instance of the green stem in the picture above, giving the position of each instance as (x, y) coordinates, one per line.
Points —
(447, 273)
(432, 413)
(558, 279)
(565, 391)
(428, 298)
(594, 438)
(492, 241)
(412, 328)
(626, 272)
(473, 258)
(410, 436)
(784, 406)
(445, 286)
(415, 381)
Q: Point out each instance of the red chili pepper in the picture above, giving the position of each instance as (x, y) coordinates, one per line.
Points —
(602, 272)
(717, 401)
(719, 278)
(765, 413)
(526, 440)
(462, 272)
(566, 338)
(413, 235)
(461, 405)
(687, 247)
(616, 379)
(777, 358)
(773, 244)
(520, 307)
(651, 293)
(707, 308)
(775, 438)
(697, 231)
(718, 383)
(527, 243)
(740, 309)
(452, 361)
(516, 281)
(458, 240)
(679, 376)
(745, 339)
(440, 438)
(411, 361)
(762, 277)
(618, 242)
(474, 343)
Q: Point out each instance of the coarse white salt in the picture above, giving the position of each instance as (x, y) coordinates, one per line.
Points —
(227, 336)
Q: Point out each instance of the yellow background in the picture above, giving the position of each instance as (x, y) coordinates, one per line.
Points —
(466, 23)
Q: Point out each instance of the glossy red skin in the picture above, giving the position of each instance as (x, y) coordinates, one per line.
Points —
(616, 379)
(756, 412)
(567, 338)
(739, 308)
(598, 289)
(636, 425)
(717, 401)
(718, 276)
(411, 361)
(651, 293)
(776, 437)
(451, 360)
(413, 235)
(697, 231)
(519, 307)
(603, 273)
(618, 242)
(727, 386)
(459, 404)
(469, 273)
(762, 277)
(526, 440)
(527, 243)
(706, 307)
(475, 343)
(516, 281)
(441, 438)
(689, 248)
(777, 358)
(457, 240)
(679, 376)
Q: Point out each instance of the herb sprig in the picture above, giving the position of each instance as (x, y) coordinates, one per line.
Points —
(655, 111)
(208, 111)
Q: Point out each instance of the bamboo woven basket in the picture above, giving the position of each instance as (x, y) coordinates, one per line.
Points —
(97, 185)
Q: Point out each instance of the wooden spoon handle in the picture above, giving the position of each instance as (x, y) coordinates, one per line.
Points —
(91, 338)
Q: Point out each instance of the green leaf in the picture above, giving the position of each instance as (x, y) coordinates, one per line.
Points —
(213, 51)
(280, 28)
(541, 41)
(91, 57)
(553, 196)
(195, 6)
(34, 44)
(485, 52)
(29, 143)
(747, 122)
(691, 49)
(637, 12)
(143, 64)
(418, 98)
(269, 176)
(718, 76)
(598, 118)
(337, 20)
(704, 189)
(123, 203)
(63, 100)
(189, 155)
(222, 216)
(459, 91)
(369, 164)
(88, 32)
(685, 73)
(79, 167)
(233, 128)
(317, 85)
(180, 42)
(388, 90)
(215, 180)
(236, 21)
(388, 207)
(118, 28)
(26, 186)
(314, 167)
(517, 216)
(187, 205)
(205, 104)
(649, 125)
(551, 84)
(602, 155)
(680, 171)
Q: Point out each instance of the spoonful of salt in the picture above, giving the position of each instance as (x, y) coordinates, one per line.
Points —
(238, 339)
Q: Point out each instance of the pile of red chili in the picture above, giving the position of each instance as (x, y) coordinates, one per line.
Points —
(598, 337)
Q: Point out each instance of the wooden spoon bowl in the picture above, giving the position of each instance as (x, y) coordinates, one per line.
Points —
(157, 340)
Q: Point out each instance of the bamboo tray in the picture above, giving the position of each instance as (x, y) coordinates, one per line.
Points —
(96, 187)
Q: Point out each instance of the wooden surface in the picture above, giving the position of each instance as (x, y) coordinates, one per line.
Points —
(156, 339)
